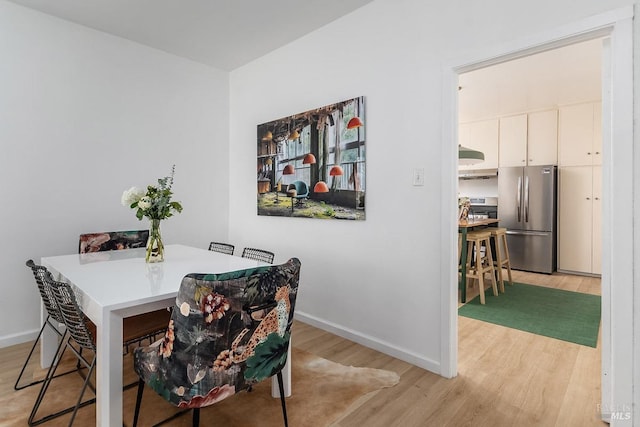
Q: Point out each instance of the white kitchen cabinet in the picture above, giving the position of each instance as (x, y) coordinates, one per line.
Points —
(542, 138)
(579, 222)
(529, 139)
(596, 258)
(513, 141)
(597, 134)
(580, 135)
(481, 136)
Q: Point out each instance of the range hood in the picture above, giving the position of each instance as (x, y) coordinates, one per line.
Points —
(478, 173)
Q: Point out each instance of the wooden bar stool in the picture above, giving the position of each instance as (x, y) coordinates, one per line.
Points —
(483, 263)
(499, 236)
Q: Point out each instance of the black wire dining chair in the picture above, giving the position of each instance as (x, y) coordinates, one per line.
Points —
(77, 332)
(224, 248)
(53, 321)
(258, 255)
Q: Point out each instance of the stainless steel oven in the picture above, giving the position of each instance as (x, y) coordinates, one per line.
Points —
(483, 207)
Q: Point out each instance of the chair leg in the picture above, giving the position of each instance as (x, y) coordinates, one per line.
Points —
(479, 272)
(469, 261)
(26, 362)
(136, 413)
(508, 263)
(498, 263)
(51, 374)
(84, 388)
(62, 337)
(489, 257)
(196, 417)
(282, 398)
(62, 346)
(510, 282)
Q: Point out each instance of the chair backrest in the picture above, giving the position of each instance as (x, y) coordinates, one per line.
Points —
(301, 188)
(227, 332)
(112, 240)
(73, 317)
(49, 302)
(258, 255)
(225, 248)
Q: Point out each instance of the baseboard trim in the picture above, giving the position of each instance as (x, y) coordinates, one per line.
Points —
(371, 342)
(579, 273)
(13, 339)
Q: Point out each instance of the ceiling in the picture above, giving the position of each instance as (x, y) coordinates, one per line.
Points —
(228, 34)
(221, 33)
(566, 75)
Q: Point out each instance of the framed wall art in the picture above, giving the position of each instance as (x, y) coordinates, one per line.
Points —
(312, 164)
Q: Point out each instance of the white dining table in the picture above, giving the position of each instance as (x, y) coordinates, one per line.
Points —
(116, 284)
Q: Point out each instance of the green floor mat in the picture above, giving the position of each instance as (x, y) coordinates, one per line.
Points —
(555, 313)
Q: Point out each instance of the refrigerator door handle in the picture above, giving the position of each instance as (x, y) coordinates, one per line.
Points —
(526, 199)
(527, 233)
(519, 197)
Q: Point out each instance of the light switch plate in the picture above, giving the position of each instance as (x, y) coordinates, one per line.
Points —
(418, 176)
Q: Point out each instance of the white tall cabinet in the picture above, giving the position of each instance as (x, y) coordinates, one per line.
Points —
(542, 138)
(513, 141)
(579, 229)
(580, 188)
(580, 135)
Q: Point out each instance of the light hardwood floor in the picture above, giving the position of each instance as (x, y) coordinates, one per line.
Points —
(506, 378)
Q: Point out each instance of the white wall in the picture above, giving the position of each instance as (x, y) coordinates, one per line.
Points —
(83, 116)
(377, 281)
(478, 187)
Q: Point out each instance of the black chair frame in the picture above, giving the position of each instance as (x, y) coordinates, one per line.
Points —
(258, 255)
(224, 248)
(196, 411)
(78, 333)
(53, 320)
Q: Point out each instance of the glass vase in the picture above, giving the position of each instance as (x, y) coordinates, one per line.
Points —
(155, 247)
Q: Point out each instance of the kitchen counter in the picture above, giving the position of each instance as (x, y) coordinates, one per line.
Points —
(471, 223)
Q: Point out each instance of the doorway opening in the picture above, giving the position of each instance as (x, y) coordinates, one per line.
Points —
(618, 258)
(617, 169)
(519, 114)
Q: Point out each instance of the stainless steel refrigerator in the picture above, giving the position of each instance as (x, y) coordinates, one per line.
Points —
(527, 209)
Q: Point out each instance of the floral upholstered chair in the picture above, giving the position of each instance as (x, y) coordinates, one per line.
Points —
(154, 322)
(112, 240)
(227, 332)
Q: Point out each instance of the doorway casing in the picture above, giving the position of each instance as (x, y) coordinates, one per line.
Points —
(618, 174)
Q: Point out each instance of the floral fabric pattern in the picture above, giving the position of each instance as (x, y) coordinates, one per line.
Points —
(213, 307)
(227, 332)
(112, 241)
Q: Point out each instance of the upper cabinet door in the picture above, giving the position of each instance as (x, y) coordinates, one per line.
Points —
(542, 141)
(481, 136)
(513, 141)
(579, 126)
